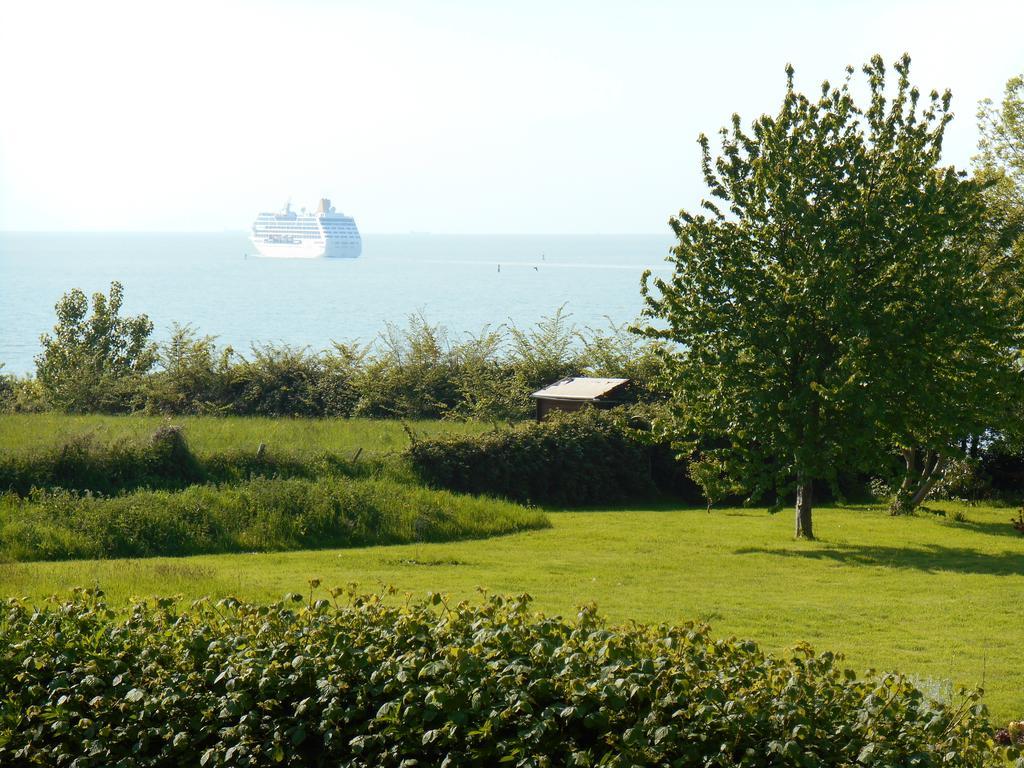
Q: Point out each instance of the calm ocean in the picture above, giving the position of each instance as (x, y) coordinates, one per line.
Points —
(214, 282)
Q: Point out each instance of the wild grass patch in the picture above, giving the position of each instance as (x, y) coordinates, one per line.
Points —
(260, 515)
(32, 433)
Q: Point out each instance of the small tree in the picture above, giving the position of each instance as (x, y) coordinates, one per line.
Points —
(94, 363)
(832, 299)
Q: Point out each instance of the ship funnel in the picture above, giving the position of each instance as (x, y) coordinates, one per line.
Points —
(325, 206)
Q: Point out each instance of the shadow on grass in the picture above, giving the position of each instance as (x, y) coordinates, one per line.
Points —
(990, 529)
(639, 505)
(931, 558)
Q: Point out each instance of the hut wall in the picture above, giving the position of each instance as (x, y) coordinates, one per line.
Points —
(544, 407)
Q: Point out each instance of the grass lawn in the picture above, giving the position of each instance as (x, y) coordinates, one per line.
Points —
(26, 433)
(940, 600)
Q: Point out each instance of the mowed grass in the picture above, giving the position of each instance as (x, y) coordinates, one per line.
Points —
(27, 433)
(937, 599)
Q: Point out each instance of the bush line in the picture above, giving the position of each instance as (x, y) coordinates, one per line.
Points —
(309, 682)
(570, 459)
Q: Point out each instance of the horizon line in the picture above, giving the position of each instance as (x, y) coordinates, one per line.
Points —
(363, 234)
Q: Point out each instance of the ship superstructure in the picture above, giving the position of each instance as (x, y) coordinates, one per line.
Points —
(325, 232)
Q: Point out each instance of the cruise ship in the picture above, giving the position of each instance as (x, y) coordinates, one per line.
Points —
(325, 232)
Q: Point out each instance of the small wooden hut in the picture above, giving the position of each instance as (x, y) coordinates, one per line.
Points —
(573, 393)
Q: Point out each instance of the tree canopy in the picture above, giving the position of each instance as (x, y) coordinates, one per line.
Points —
(1000, 164)
(87, 362)
(831, 300)
(1001, 147)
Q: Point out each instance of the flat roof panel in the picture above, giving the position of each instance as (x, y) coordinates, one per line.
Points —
(579, 388)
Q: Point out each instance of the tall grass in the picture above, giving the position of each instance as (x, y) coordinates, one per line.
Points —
(165, 462)
(25, 433)
(261, 515)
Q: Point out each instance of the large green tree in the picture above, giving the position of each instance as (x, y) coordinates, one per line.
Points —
(830, 299)
(1000, 165)
(93, 362)
(1001, 145)
(999, 168)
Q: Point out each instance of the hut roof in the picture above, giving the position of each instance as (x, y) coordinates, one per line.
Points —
(580, 388)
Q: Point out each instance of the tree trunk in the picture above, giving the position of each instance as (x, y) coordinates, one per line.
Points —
(917, 484)
(901, 500)
(804, 491)
(910, 458)
(934, 475)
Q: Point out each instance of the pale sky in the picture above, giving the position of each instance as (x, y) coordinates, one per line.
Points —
(453, 117)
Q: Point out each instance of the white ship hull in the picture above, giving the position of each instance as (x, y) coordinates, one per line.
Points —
(308, 249)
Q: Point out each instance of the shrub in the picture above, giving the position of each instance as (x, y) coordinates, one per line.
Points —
(260, 515)
(547, 352)
(278, 381)
(414, 374)
(585, 457)
(964, 478)
(21, 394)
(194, 376)
(309, 682)
(1003, 466)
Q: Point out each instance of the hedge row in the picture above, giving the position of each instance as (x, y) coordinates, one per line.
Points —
(586, 457)
(260, 515)
(309, 683)
(411, 372)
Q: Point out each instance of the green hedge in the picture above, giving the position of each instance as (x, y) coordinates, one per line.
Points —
(410, 371)
(260, 515)
(570, 459)
(307, 682)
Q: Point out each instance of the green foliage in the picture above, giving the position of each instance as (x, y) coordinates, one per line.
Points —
(964, 479)
(309, 682)
(1001, 145)
(94, 362)
(415, 374)
(192, 375)
(547, 352)
(619, 353)
(277, 380)
(571, 459)
(264, 514)
(489, 387)
(833, 299)
(20, 394)
(410, 372)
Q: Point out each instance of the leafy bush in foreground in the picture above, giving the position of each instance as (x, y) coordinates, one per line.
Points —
(261, 515)
(586, 457)
(304, 683)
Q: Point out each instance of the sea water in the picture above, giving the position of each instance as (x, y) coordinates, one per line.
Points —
(217, 284)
